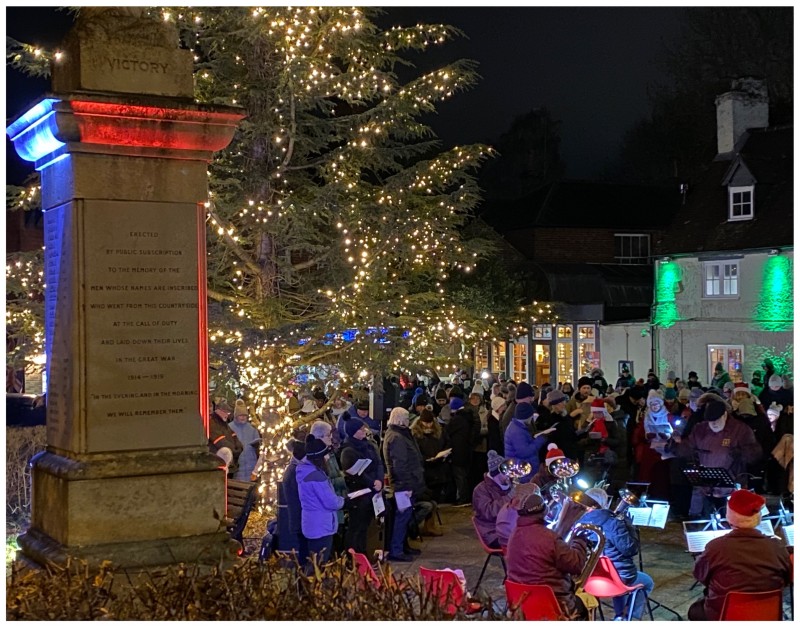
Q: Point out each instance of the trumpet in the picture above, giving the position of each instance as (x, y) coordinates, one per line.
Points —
(594, 552)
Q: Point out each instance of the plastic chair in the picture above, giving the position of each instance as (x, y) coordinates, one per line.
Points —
(753, 606)
(538, 602)
(605, 583)
(366, 570)
(445, 586)
(490, 552)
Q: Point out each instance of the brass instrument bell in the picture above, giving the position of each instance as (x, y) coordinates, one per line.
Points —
(515, 469)
(564, 468)
(626, 499)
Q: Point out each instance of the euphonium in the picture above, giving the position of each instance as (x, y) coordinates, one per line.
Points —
(594, 551)
(571, 510)
(626, 499)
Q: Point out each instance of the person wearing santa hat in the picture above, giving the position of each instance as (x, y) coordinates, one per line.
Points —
(745, 550)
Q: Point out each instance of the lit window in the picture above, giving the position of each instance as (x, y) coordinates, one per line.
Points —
(721, 279)
(632, 248)
(730, 356)
(740, 203)
(542, 331)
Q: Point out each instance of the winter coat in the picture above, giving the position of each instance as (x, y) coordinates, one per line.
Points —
(520, 444)
(494, 437)
(318, 501)
(566, 437)
(577, 402)
(732, 448)
(782, 397)
(538, 555)
(351, 452)
(463, 436)
(487, 499)
(251, 441)
(718, 380)
(600, 384)
(404, 461)
(506, 523)
(220, 435)
(744, 560)
(289, 509)
(429, 446)
(625, 382)
(622, 544)
(508, 414)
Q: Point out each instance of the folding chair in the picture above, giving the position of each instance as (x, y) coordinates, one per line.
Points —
(490, 552)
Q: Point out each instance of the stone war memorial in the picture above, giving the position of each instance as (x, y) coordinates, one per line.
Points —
(123, 150)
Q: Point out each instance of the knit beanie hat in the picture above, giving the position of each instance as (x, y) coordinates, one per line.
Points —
(352, 426)
(774, 410)
(222, 405)
(524, 390)
(478, 388)
(714, 410)
(498, 402)
(728, 387)
(744, 509)
(239, 408)
(695, 394)
(298, 449)
(684, 394)
(523, 411)
(441, 394)
(494, 461)
(426, 416)
(554, 397)
(362, 405)
(654, 398)
(553, 453)
(775, 382)
(315, 447)
(422, 400)
(456, 403)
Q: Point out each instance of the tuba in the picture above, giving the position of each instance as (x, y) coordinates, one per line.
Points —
(595, 551)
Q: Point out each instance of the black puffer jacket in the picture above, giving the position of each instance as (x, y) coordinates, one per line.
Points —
(622, 544)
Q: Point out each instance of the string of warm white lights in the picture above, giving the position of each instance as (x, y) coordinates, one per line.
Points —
(335, 221)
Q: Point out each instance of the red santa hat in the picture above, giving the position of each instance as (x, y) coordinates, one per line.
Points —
(744, 509)
(742, 386)
(553, 453)
(598, 405)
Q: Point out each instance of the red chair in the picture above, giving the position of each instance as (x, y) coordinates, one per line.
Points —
(372, 578)
(490, 552)
(753, 606)
(536, 601)
(605, 583)
(446, 588)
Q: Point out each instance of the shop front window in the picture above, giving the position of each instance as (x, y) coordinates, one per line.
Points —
(542, 363)
(564, 362)
(499, 358)
(520, 364)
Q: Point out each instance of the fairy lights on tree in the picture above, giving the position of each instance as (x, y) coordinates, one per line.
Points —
(334, 219)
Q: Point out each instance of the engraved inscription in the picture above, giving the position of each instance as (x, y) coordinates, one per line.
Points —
(137, 65)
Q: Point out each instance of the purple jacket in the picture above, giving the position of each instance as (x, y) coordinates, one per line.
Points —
(318, 501)
(537, 555)
(744, 560)
(487, 500)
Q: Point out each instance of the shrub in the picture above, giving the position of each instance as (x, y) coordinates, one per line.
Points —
(22, 443)
(249, 590)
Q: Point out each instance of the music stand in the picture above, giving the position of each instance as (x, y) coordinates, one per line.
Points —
(653, 514)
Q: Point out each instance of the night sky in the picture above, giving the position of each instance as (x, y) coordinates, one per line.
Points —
(590, 66)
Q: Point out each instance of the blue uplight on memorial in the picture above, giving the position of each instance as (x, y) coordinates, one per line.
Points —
(34, 133)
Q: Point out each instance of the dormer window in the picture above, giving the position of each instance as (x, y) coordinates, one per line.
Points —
(740, 203)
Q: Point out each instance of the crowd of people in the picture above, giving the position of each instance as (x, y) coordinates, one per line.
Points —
(456, 441)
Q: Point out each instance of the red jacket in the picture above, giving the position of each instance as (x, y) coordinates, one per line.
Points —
(487, 500)
(744, 560)
(537, 555)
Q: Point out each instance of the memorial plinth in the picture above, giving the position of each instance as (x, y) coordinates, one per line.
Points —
(126, 476)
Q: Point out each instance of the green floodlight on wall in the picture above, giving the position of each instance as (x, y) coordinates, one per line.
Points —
(668, 278)
(775, 308)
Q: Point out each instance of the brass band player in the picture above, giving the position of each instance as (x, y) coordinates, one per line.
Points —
(538, 555)
(621, 546)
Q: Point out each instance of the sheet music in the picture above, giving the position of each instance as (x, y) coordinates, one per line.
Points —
(654, 515)
(696, 540)
(788, 533)
(640, 516)
(658, 517)
(765, 527)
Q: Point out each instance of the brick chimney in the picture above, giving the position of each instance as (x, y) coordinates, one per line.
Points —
(746, 106)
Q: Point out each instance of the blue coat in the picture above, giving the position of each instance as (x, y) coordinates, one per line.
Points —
(621, 545)
(318, 501)
(520, 444)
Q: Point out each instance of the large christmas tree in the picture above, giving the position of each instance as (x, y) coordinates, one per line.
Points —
(335, 221)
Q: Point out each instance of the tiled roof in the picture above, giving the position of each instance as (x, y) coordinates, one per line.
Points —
(701, 224)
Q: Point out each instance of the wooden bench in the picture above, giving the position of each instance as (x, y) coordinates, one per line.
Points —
(241, 497)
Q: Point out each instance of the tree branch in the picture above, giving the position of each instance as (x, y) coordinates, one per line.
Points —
(231, 243)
